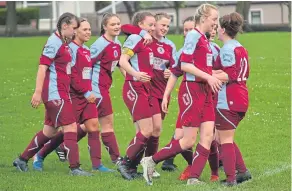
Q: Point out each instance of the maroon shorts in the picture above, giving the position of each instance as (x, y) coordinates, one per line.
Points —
(59, 113)
(156, 106)
(137, 98)
(83, 110)
(104, 105)
(178, 121)
(228, 120)
(195, 104)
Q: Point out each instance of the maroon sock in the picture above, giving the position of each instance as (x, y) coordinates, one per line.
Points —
(35, 145)
(219, 151)
(168, 151)
(199, 161)
(80, 135)
(110, 142)
(136, 145)
(136, 161)
(152, 146)
(228, 159)
(94, 148)
(51, 145)
(214, 158)
(188, 155)
(71, 147)
(240, 165)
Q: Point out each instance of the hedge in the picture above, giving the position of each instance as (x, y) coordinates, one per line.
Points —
(24, 16)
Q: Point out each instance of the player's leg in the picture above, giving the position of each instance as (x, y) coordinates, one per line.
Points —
(137, 100)
(170, 150)
(34, 146)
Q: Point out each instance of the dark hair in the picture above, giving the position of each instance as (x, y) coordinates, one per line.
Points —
(66, 18)
(79, 23)
(140, 16)
(191, 18)
(105, 19)
(208, 35)
(232, 23)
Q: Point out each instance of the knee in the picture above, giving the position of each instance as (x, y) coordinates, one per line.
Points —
(92, 125)
(188, 142)
(156, 131)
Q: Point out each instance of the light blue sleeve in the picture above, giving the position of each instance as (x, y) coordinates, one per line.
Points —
(132, 41)
(227, 56)
(191, 41)
(52, 46)
(73, 49)
(97, 47)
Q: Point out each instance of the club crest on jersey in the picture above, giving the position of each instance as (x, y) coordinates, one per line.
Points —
(186, 99)
(57, 102)
(160, 50)
(116, 54)
(131, 95)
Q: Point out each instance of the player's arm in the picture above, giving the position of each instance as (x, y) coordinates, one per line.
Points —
(227, 58)
(130, 47)
(49, 53)
(123, 72)
(41, 74)
(187, 61)
(222, 76)
(131, 29)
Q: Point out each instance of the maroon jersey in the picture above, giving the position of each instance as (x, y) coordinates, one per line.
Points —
(234, 60)
(105, 56)
(215, 52)
(197, 51)
(163, 57)
(81, 70)
(57, 57)
(142, 61)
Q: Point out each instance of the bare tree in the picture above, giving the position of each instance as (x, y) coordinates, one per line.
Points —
(288, 4)
(11, 20)
(131, 10)
(242, 7)
(177, 6)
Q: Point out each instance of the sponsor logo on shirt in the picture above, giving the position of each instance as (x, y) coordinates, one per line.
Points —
(49, 50)
(131, 96)
(159, 64)
(227, 58)
(86, 73)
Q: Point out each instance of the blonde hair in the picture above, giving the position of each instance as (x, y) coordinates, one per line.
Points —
(159, 16)
(204, 10)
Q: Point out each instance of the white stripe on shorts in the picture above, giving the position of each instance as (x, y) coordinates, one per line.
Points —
(136, 97)
(226, 118)
(190, 99)
(59, 113)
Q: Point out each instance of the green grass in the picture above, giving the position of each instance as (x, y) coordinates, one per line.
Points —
(263, 136)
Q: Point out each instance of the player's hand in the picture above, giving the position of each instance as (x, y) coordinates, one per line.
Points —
(164, 105)
(166, 73)
(214, 83)
(142, 77)
(91, 98)
(147, 39)
(36, 99)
